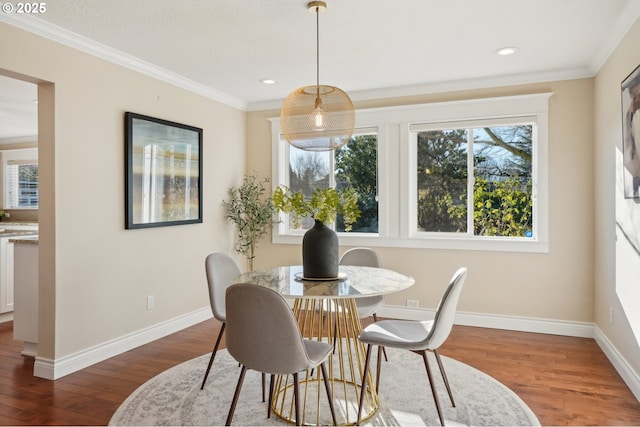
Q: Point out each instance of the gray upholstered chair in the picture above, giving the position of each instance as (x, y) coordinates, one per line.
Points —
(221, 269)
(263, 335)
(368, 258)
(417, 336)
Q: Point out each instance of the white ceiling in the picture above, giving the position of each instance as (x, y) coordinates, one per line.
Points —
(18, 111)
(370, 49)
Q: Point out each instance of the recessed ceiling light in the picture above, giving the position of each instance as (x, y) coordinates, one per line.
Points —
(268, 81)
(506, 51)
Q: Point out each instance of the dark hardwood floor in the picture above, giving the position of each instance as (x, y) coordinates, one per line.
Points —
(564, 380)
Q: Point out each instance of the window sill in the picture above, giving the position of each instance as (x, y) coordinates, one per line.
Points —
(469, 244)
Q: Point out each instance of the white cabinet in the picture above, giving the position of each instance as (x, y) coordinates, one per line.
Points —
(6, 275)
(8, 232)
(25, 315)
(18, 226)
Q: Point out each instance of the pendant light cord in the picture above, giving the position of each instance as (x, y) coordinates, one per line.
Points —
(318, 49)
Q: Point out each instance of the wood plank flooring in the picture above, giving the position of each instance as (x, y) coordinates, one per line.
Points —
(564, 380)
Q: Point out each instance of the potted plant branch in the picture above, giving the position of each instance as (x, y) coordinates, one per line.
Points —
(251, 209)
(320, 243)
(324, 205)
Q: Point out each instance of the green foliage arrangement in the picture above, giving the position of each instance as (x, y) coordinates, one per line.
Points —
(251, 209)
(324, 205)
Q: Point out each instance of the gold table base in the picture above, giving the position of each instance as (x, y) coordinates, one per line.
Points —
(333, 321)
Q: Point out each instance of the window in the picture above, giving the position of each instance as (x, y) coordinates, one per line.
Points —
(475, 180)
(357, 168)
(452, 175)
(353, 165)
(21, 189)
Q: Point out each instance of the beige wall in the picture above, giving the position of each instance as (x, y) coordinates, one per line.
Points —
(95, 275)
(608, 137)
(556, 285)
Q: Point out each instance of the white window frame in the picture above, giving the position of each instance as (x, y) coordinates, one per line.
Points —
(397, 195)
(15, 156)
(470, 126)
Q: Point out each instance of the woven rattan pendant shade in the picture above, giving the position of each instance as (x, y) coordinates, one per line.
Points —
(319, 117)
(298, 118)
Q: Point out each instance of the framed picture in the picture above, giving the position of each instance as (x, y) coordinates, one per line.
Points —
(163, 181)
(631, 134)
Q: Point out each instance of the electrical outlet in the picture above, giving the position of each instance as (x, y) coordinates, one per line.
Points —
(150, 302)
(413, 303)
(7, 214)
(611, 316)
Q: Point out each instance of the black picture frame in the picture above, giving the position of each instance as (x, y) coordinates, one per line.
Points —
(630, 91)
(163, 172)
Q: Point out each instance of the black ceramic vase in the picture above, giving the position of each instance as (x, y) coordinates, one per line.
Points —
(320, 252)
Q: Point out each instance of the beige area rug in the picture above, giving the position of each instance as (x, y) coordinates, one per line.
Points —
(174, 397)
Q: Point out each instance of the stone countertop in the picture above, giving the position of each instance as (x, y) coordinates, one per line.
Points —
(10, 233)
(29, 235)
(20, 236)
(30, 240)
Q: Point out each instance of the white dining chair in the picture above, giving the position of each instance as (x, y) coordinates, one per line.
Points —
(416, 336)
(368, 258)
(367, 306)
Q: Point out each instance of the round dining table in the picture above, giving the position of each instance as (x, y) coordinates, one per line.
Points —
(326, 310)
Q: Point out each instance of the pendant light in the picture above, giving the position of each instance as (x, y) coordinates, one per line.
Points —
(318, 117)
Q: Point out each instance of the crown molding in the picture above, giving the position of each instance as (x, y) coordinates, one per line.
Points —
(18, 141)
(450, 86)
(78, 42)
(626, 20)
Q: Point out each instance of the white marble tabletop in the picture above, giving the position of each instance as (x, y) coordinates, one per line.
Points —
(353, 282)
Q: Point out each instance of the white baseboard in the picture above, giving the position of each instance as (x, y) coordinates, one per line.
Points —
(628, 374)
(6, 317)
(494, 321)
(526, 324)
(54, 369)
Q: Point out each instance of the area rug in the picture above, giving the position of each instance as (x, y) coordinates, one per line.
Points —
(174, 396)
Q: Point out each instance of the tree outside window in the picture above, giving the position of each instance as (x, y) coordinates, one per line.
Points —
(357, 168)
(499, 161)
(354, 165)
